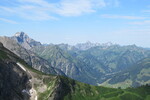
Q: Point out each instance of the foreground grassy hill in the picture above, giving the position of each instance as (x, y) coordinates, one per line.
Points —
(22, 82)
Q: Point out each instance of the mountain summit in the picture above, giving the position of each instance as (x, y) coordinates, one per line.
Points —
(20, 34)
(24, 40)
(87, 45)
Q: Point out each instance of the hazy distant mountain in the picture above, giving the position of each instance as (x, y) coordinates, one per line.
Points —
(88, 45)
(147, 48)
(18, 81)
(25, 40)
(31, 58)
(85, 46)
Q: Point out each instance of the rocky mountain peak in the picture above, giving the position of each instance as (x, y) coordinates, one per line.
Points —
(20, 34)
(24, 40)
(22, 37)
(107, 44)
(86, 45)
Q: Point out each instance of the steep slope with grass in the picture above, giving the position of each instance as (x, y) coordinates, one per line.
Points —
(18, 81)
(136, 75)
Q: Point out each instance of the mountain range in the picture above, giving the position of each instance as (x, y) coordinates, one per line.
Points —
(93, 63)
(19, 81)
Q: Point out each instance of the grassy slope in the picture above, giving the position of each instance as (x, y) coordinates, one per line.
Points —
(88, 92)
(136, 75)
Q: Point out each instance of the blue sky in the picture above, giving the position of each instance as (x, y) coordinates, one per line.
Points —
(124, 22)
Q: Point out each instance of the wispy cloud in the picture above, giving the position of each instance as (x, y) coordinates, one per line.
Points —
(8, 21)
(30, 9)
(145, 22)
(79, 7)
(114, 3)
(121, 17)
(146, 11)
(44, 10)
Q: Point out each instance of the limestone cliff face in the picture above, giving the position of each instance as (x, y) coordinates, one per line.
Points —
(25, 40)
(13, 80)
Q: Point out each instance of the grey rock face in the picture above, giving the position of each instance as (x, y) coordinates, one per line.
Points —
(1, 45)
(12, 78)
(24, 40)
(12, 82)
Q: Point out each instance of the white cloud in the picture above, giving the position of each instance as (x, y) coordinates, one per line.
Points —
(145, 22)
(44, 10)
(6, 9)
(34, 12)
(79, 7)
(8, 21)
(114, 3)
(42, 3)
(146, 11)
(121, 17)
